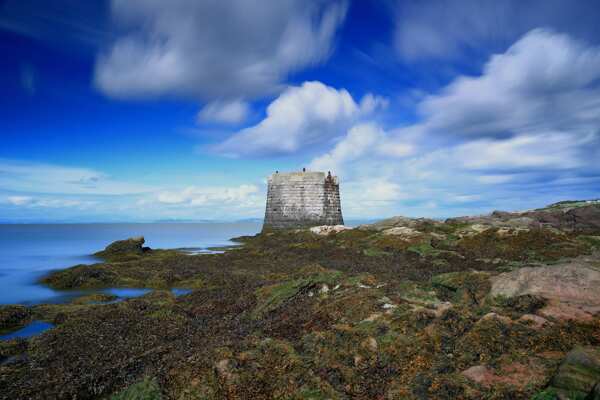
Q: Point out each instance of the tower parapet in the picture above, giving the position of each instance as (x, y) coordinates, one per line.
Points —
(303, 199)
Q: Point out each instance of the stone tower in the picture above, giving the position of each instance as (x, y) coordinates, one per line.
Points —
(302, 199)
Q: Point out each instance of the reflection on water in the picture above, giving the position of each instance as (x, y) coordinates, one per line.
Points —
(180, 292)
(126, 292)
(30, 251)
(34, 328)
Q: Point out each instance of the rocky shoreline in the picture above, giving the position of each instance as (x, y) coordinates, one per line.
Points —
(503, 306)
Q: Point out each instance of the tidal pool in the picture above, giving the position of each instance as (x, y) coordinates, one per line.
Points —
(32, 329)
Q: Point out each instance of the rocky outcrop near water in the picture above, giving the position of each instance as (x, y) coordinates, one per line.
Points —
(502, 306)
(123, 248)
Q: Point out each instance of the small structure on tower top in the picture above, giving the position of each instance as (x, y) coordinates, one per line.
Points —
(303, 199)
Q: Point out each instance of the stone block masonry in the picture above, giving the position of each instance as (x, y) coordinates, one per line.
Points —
(303, 199)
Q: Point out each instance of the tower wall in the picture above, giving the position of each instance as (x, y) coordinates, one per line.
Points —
(300, 199)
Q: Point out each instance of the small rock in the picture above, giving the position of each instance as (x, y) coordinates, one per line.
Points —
(480, 228)
(565, 312)
(441, 308)
(325, 230)
(403, 232)
(497, 317)
(223, 371)
(514, 374)
(357, 360)
(579, 372)
(370, 343)
(535, 321)
(372, 317)
(479, 374)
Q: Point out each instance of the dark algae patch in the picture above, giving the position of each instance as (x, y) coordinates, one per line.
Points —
(402, 309)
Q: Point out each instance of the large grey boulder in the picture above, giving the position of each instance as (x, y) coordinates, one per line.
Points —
(571, 288)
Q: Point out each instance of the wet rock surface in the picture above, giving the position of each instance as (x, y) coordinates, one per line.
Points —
(457, 311)
(13, 316)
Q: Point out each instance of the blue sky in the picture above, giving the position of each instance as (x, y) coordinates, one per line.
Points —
(131, 110)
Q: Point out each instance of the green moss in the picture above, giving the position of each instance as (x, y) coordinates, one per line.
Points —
(469, 287)
(94, 298)
(592, 241)
(310, 394)
(371, 252)
(423, 249)
(251, 329)
(146, 389)
(272, 297)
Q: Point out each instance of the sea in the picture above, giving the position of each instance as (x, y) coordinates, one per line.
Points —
(30, 251)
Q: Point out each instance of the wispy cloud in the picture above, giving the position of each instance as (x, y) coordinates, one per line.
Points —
(224, 112)
(450, 30)
(211, 50)
(21, 176)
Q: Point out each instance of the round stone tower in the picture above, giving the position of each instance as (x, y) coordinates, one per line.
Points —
(303, 199)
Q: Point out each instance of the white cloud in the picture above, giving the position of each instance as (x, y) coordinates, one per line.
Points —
(46, 202)
(361, 140)
(28, 191)
(300, 117)
(451, 29)
(19, 176)
(194, 196)
(370, 103)
(211, 49)
(19, 200)
(560, 151)
(543, 83)
(224, 112)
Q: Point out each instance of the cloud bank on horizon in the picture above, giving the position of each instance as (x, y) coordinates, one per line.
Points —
(447, 108)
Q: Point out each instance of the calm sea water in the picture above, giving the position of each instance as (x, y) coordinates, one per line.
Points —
(30, 251)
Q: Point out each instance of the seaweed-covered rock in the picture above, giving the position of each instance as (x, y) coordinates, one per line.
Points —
(579, 373)
(131, 246)
(468, 287)
(595, 395)
(400, 221)
(361, 314)
(571, 289)
(146, 389)
(584, 217)
(13, 316)
(515, 374)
